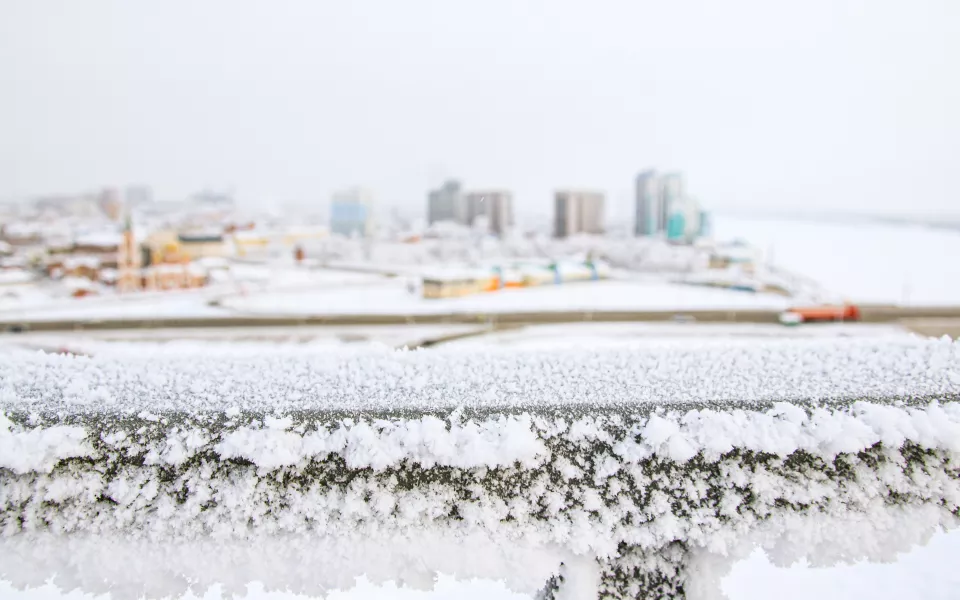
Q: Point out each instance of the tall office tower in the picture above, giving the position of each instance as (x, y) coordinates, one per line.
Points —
(447, 204)
(495, 205)
(647, 203)
(672, 191)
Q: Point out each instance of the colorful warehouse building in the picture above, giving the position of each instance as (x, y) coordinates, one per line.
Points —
(454, 284)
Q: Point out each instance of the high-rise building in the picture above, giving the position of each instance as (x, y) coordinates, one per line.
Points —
(672, 191)
(351, 212)
(494, 205)
(577, 212)
(447, 204)
(648, 201)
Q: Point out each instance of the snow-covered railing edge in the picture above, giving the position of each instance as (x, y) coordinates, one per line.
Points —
(651, 496)
(641, 471)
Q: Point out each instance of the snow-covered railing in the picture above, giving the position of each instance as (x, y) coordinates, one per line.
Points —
(626, 473)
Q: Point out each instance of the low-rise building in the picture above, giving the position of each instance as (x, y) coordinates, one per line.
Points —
(196, 245)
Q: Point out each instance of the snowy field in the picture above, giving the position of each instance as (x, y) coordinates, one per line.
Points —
(225, 340)
(242, 281)
(381, 296)
(330, 338)
(394, 298)
(610, 335)
(865, 262)
(336, 293)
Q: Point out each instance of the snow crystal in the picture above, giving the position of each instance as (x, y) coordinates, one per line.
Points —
(39, 449)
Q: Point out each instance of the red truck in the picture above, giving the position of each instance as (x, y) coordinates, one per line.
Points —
(846, 312)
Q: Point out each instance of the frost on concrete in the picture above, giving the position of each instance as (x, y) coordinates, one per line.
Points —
(620, 473)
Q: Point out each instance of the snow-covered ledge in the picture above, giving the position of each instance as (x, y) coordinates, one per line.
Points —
(617, 473)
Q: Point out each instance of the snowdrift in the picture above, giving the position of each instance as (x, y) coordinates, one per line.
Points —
(628, 473)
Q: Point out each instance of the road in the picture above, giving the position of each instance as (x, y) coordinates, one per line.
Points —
(927, 320)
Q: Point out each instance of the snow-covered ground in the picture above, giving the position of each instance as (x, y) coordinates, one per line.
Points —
(607, 335)
(225, 340)
(865, 262)
(862, 262)
(374, 295)
(176, 304)
(394, 298)
(244, 341)
(241, 281)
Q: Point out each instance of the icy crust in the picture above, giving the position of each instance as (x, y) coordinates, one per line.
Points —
(632, 505)
(386, 382)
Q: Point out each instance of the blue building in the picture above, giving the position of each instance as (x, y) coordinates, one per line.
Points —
(677, 227)
(351, 213)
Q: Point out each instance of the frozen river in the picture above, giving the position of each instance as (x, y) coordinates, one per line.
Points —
(864, 262)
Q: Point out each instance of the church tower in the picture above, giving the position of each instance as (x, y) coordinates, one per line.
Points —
(129, 277)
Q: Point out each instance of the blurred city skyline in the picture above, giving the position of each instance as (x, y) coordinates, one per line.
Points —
(825, 106)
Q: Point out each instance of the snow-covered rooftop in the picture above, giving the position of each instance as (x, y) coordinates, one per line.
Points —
(100, 239)
(15, 276)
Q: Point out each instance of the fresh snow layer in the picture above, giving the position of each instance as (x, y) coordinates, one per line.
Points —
(864, 262)
(282, 380)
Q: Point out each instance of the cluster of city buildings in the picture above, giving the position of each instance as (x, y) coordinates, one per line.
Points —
(87, 242)
(490, 210)
(121, 237)
(663, 208)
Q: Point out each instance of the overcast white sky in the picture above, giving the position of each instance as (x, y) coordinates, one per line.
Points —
(820, 103)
